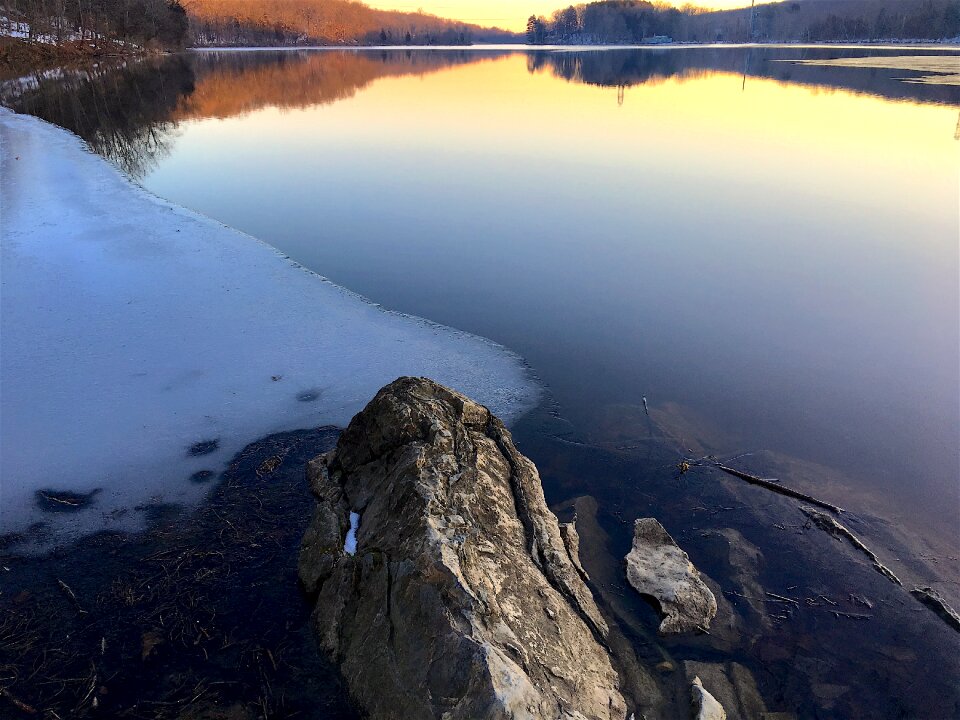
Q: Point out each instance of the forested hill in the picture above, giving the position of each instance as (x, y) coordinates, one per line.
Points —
(170, 24)
(150, 23)
(326, 22)
(631, 21)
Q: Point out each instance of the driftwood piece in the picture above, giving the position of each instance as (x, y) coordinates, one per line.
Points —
(934, 600)
(828, 524)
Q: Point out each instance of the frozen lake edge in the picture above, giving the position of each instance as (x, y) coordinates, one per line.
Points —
(142, 343)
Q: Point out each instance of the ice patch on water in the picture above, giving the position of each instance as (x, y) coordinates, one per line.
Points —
(142, 344)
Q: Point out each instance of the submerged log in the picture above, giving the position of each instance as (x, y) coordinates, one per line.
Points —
(828, 524)
(777, 488)
(934, 600)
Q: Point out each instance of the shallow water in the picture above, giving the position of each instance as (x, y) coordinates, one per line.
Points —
(762, 253)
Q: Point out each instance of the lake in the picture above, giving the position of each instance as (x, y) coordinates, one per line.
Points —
(756, 251)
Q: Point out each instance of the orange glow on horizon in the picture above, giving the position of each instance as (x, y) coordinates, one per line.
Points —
(509, 14)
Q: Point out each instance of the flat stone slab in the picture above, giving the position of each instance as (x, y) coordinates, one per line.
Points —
(657, 567)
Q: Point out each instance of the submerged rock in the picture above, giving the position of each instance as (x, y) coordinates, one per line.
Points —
(704, 706)
(463, 597)
(731, 685)
(656, 566)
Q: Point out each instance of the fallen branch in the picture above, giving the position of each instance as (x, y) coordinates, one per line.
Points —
(70, 594)
(828, 524)
(853, 616)
(781, 598)
(62, 501)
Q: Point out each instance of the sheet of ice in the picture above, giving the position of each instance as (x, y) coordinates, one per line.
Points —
(350, 544)
(141, 343)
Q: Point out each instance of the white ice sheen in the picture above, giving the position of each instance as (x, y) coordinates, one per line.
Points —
(131, 329)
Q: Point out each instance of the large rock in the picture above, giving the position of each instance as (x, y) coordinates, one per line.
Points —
(657, 567)
(464, 599)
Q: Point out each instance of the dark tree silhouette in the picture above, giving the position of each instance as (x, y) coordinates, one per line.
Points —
(637, 21)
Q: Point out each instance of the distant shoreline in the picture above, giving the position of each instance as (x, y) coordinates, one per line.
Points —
(899, 45)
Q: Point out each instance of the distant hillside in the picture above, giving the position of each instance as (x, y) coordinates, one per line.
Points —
(324, 22)
(631, 21)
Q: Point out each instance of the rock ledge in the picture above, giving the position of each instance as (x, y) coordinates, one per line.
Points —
(464, 597)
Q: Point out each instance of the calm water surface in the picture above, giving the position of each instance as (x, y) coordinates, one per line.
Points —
(776, 258)
(765, 253)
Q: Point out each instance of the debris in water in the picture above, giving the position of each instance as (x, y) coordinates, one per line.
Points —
(774, 485)
(268, 466)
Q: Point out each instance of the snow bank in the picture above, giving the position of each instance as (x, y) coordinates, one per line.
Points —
(142, 344)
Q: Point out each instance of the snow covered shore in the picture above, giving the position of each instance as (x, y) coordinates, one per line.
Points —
(141, 343)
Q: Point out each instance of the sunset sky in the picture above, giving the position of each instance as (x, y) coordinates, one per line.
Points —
(508, 14)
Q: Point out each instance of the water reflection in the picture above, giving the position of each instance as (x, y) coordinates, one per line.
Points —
(364, 179)
(128, 112)
(630, 68)
(231, 83)
(125, 112)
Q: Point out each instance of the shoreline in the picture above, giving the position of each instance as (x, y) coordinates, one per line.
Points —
(20, 57)
(88, 324)
(787, 649)
(200, 615)
(196, 616)
(523, 47)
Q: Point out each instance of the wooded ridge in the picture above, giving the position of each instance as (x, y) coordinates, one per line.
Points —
(639, 21)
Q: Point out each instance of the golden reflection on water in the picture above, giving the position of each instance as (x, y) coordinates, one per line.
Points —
(721, 122)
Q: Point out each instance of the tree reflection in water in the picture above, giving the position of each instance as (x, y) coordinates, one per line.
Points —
(129, 112)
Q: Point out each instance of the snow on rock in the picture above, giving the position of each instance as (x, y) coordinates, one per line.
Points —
(350, 543)
(141, 343)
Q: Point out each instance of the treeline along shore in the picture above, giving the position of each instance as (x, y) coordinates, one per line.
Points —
(125, 26)
(638, 21)
(33, 31)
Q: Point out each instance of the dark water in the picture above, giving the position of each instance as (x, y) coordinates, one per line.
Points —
(766, 253)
